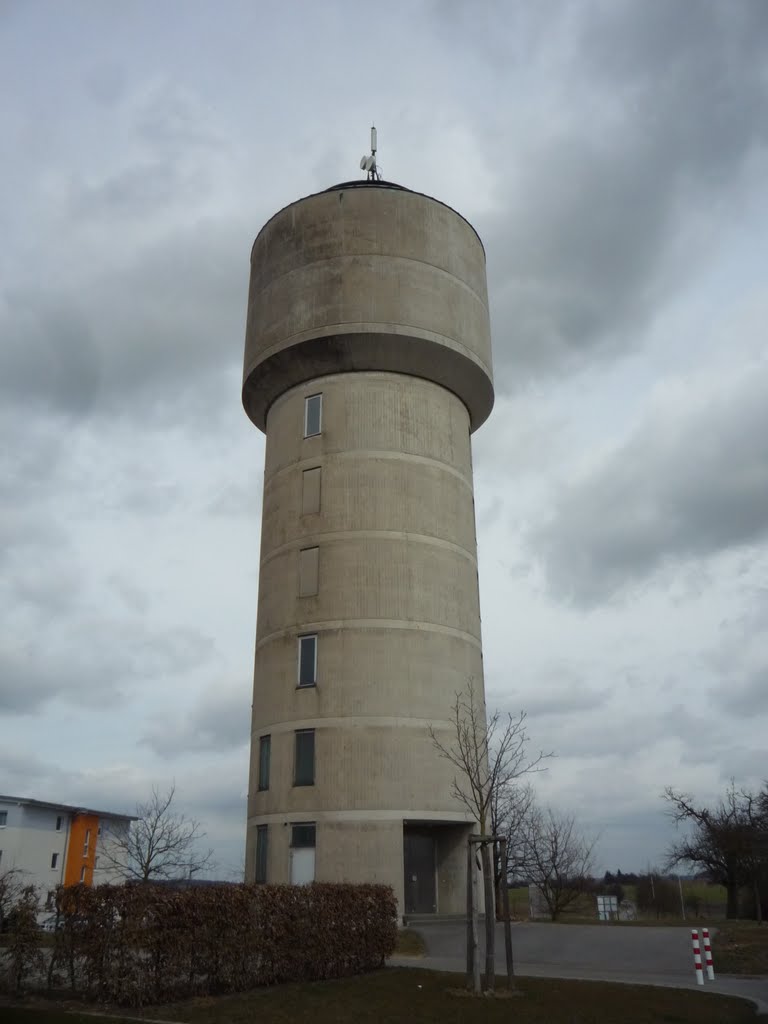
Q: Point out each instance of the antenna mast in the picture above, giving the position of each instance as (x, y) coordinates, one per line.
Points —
(368, 163)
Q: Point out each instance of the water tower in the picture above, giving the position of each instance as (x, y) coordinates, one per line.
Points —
(368, 367)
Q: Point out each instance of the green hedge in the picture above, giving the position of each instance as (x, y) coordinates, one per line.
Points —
(141, 944)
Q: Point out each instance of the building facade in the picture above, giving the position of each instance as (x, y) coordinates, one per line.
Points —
(51, 844)
(368, 366)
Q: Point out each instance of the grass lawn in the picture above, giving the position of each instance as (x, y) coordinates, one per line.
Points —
(740, 947)
(409, 943)
(419, 996)
(414, 996)
(24, 1015)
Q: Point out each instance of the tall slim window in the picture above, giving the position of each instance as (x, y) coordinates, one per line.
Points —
(308, 660)
(58, 823)
(262, 843)
(54, 860)
(87, 842)
(309, 565)
(3, 819)
(313, 415)
(82, 873)
(304, 758)
(265, 745)
(310, 491)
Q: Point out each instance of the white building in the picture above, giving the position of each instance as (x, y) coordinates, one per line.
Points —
(52, 844)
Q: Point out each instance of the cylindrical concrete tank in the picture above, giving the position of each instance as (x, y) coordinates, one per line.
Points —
(367, 363)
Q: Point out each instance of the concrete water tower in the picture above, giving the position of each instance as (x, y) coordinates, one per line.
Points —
(368, 366)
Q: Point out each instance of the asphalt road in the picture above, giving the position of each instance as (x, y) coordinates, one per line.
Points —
(641, 956)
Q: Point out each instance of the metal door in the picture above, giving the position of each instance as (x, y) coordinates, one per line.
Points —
(303, 866)
(419, 863)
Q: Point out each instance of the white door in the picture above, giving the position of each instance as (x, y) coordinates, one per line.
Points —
(303, 865)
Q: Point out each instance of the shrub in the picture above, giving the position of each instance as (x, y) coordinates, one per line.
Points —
(139, 944)
(23, 955)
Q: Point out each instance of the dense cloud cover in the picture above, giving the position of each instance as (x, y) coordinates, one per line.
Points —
(612, 157)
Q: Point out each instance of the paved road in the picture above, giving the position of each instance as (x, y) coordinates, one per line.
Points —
(642, 956)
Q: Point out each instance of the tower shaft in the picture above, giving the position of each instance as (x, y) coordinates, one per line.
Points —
(367, 364)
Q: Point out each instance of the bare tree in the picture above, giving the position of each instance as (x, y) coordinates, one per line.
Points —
(727, 840)
(557, 857)
(11, 888)
(510, 809)
(160, 844)
(489, 755)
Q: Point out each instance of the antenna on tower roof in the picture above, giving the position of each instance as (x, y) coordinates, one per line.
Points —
(368, 163)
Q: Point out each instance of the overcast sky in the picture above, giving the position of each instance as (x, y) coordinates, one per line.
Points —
(613, 157)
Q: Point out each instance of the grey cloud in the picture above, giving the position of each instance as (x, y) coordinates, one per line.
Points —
(744, 691)
(91, 662)
(163, 333)
(220, 721)
(137, 191)
(589, 244)
(686, 485)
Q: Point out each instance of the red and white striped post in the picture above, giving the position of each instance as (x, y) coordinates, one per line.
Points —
(708, 954)
(697, 957)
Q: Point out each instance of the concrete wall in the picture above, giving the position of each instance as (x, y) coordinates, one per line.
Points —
(348, 287)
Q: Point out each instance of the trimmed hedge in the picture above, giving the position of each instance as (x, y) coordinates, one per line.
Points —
(140, 944)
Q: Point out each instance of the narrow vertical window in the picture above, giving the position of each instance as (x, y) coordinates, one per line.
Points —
(54, 860)
(87, 842)
(265, 745)
(310, 491)
(304, 758)
(308, 660)
(313, 415)
(262, 841)
(302, 853)
(82, 873)
(309, 562)
(58, 824)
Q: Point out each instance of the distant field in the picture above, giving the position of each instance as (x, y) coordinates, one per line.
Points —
(702, 902)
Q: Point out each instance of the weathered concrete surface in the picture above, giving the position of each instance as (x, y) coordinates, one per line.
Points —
(639, 956)
(374, 298)
(367, 278)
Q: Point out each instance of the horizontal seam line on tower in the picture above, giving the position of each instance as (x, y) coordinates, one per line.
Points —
(365, 814)
(333, 536)
(285, 725)
(387, 256)
(369, 453)
(334, 624)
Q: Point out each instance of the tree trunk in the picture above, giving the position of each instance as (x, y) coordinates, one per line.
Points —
(732, 900)
(758, 904)
(490, 918)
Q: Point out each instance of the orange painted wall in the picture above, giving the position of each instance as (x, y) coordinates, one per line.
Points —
(76, 861)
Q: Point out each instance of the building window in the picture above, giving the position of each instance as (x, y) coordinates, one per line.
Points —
(82, 873)
(1, 856)
(309, 562)
(59, 821)
(265, 749)
(3, 819)
(310, 491)
(308, 660)
(99, 831)
(87, 842)
(313, 415)
(304, 758)
(303, 835)
(262, 841)
(54, 860)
